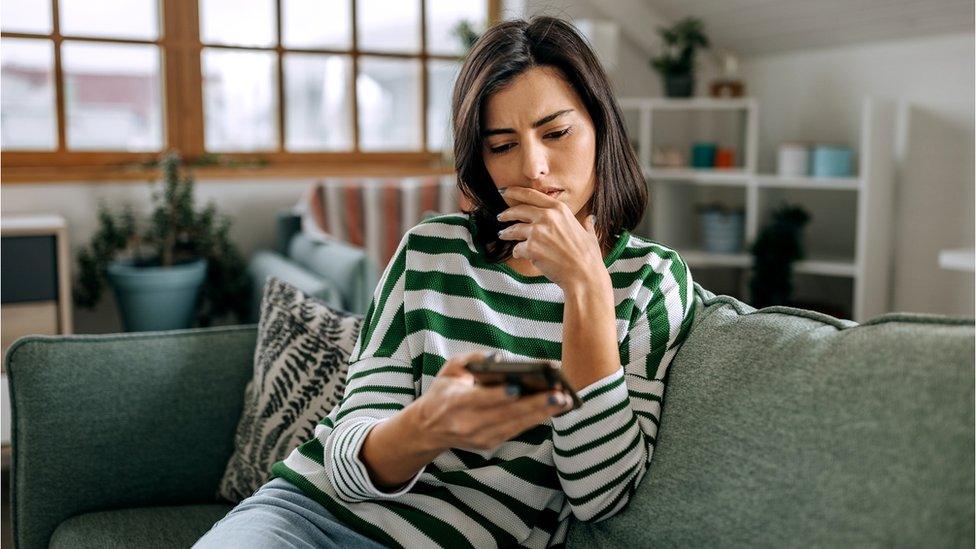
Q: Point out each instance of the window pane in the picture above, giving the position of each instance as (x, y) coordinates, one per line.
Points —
(440, 84)
(318, 103)
(112, 96)
(331, 29)
(240, 101)
(25, 16)
(442, 18)
(112, 18)
(388, 91)
(27, 112)
(388, 25)
(238, 22)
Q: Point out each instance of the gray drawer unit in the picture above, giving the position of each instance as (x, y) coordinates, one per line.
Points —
(30, 269)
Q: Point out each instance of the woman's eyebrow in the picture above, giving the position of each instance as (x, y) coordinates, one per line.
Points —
(536, 124)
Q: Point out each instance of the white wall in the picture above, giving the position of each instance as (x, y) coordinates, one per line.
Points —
(816, 95)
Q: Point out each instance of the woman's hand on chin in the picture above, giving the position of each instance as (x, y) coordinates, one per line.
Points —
(551, 238)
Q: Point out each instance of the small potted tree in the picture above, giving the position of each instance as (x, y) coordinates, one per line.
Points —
(676, 63)
(182, 267)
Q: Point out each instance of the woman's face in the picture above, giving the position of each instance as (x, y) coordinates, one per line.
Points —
(539, 134)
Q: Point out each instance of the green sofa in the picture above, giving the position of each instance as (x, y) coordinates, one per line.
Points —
(781, 427)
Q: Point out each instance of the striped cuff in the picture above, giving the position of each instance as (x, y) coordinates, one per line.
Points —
(613, 383)
(347, 472)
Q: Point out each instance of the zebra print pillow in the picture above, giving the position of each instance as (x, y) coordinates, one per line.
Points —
(300, 367)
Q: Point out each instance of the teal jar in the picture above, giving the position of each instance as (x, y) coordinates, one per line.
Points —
(703, 154)
(832, 161)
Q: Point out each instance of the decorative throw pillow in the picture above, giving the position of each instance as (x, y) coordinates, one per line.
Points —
(300, 365)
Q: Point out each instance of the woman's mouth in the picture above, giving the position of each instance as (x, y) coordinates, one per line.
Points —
(554, 193)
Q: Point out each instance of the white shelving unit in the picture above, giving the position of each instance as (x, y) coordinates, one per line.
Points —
(852, 239)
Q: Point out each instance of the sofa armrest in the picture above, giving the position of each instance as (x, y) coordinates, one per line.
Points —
(121, 420)
(346, 266)
(265, 263)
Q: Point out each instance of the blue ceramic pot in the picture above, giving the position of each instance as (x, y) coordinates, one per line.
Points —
(722, 232)
(157, 298)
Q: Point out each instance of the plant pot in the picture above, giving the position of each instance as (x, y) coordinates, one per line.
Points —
(157, 298)
(722, 231)
(679, 85)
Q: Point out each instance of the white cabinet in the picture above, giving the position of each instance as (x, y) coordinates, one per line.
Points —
(848, 240)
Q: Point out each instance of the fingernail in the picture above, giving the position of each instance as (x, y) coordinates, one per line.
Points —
(553, 400)
(512, 390)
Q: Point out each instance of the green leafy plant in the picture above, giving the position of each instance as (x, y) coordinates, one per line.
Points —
(466, 33)
(680, 42)
(175, 233)
(777, 247)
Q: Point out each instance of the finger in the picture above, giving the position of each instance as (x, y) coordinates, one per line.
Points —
(490, 396)
(516, 194)
(457, 365)
(517, 422)
(528, 407)
(523, 212)
(518, 231)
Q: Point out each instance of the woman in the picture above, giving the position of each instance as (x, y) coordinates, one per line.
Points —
(417, 454)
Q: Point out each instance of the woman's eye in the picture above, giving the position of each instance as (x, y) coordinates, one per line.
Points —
(554, 135)
(557, 135)
(501, 149)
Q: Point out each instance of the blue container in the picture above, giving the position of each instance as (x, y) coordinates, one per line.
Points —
(832, 161)
(157, 298)
(703, 154)
(722, 232)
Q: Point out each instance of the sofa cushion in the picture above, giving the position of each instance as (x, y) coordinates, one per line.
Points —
(300, 365)
(785, 427)
(158, 527)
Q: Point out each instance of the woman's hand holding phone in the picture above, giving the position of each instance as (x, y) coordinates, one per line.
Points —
(457, 412)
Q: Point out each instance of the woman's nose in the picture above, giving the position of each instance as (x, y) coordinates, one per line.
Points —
(534, 162)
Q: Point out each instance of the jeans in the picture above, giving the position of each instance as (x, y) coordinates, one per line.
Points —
(280, 515)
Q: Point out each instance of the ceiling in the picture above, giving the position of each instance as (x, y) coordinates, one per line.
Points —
(750, 27)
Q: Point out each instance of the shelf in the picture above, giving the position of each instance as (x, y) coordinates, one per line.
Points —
(701, 258)
(816, 183)
(957, 260)
(818, 266)
(826, 267)
(706, 176)
(691, 103)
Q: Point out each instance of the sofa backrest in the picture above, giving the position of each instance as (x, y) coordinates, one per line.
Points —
(121, 420)
(786, 427)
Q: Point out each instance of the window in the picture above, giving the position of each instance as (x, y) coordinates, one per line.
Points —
(104, 83)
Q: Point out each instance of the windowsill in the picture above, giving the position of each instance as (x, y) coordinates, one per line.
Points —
(99, 174)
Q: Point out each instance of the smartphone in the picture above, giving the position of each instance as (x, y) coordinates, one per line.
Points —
(531, 376)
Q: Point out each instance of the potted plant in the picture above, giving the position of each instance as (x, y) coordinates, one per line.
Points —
(777, 247)
(181, 267)
(676, 63)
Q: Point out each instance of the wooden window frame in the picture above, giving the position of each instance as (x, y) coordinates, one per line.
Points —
(181, 50)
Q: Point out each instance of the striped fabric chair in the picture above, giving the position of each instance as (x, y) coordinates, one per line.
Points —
(375, 213)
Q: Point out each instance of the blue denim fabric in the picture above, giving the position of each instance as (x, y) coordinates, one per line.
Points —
(280, 515)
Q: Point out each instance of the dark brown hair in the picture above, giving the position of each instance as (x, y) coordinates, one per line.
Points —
(505, 51)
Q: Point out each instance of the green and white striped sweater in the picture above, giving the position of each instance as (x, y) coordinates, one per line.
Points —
(438, 297)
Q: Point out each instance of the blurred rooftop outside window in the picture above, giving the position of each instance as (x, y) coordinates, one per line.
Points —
(113, 59)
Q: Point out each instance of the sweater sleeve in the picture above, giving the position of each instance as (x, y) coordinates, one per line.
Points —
(602, 449)
(379, 383)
